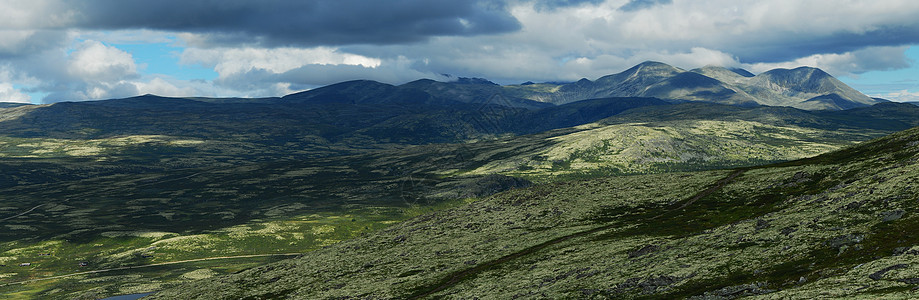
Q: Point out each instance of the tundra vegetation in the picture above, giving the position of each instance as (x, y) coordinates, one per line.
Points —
(836, 225)
(148, 193)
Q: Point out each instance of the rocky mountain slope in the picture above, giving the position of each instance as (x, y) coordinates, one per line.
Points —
(804, 87)
(837, 225)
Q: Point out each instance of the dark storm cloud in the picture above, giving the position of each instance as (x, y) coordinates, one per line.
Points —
(634, 5)
(552, 4)
(793, 47)
(15, 44)
(302, 23)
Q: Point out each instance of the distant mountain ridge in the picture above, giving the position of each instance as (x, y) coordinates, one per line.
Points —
(11, 104)
(803, 87)
(429, 111)
(354, 113)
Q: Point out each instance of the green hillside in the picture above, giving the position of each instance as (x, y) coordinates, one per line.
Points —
(152, 192)
(837, 225)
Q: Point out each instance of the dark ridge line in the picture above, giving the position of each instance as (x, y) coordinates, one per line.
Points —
(457, 277)
(718, 185)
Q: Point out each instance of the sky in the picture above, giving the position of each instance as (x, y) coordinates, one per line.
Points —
(59, 50)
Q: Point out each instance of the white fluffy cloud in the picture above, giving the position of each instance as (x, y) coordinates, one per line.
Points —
(228, 61)
(89, 70)
(93, 70)
(259, 71)
(848, 63)
(162, 87)
(10, 94)
(94, 61)
(900, 96)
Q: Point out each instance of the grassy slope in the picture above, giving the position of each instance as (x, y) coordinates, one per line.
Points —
(110, 200)
(637, 148)
(136, 219)
(838, 225)
(225, 202)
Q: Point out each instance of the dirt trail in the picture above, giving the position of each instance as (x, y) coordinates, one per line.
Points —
(23, 213)
(456, 277)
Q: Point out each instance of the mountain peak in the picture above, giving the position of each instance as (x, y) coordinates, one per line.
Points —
(348, 91)
(359, 82)
(653, 67)
(817, 88)
(647, 72)
(473, 80)
(421, 81)
(801, 73)
(651, 63)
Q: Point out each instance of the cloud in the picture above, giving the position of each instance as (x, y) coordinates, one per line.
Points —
(159, 86)
(848, 63)
(88, 70)
(170, 87)
(745, 32)
(256, 71)
(130, 36)
(93, 61)
(773, 31)
(91, 70)
(634, 5)
(400, 70)
(553, 4)
(8, 93)
(20, 43)
(247, 72)
(900, 96)
(276, 22)
(235, 60)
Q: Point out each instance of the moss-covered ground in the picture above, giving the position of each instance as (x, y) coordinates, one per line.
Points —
(838, 225)
(134, 200)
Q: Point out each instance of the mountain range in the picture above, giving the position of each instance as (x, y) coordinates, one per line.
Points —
(803, 87)
(367, 108)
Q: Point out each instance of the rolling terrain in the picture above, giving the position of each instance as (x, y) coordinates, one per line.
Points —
(836, 225)
(147, 200)
(152, 192)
